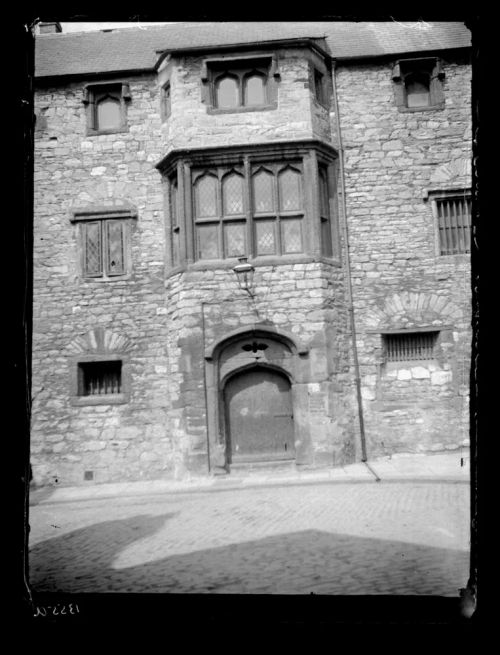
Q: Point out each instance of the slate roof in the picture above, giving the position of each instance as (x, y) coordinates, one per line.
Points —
(130, 49)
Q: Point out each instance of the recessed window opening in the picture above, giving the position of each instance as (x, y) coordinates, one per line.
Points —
(319, 89)
(417, 90)
(409, 346)
(99, 378)
(108, 114)
(454, 223)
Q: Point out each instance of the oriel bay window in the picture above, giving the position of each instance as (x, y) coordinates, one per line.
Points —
(239, 202)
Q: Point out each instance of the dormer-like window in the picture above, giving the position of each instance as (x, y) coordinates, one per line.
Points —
(106, 107)
(240, 84)
(418, 84)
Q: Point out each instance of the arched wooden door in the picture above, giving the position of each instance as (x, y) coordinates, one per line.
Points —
(259, 418)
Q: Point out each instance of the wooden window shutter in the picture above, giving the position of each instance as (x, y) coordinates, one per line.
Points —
(115, 254)
(399, 87)
(437, 85)
(92, 246)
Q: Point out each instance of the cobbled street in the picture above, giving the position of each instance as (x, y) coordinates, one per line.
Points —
(325, 538)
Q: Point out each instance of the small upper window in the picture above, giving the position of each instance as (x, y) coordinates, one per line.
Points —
(166, 100)
(244, 84)
(106, 107)
(418, 84)
(319, 86)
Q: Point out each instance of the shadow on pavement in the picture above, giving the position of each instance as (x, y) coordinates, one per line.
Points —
(305, 562)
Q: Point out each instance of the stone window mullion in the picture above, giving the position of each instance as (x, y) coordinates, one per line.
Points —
(251, 249)
(186, 192)
(312, 219)
(277, 220)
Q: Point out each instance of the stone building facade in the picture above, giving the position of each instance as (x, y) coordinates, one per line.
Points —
(339, 168)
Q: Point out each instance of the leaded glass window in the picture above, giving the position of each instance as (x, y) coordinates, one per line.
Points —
(289, 190)
(206, 196)
(291, 235)
(263, 196)
(208, 241)
(234, 239)
(104, 251)
(232, 194)
(265, 237)
(251, 207)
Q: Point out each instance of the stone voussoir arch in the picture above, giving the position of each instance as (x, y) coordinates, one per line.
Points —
(412, 309)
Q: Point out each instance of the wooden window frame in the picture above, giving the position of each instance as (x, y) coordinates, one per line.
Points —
(81, 218)
(93, 93)
(405, 68)
(185, 168)
(104, 399)
(248, 217)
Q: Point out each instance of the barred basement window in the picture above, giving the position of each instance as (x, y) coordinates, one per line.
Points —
(99, 378)
(409, 346)
(454, 224)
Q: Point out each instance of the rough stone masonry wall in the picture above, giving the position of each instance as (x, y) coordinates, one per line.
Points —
(191, 126)
(115, 442)
(399, 280)
(301, 299)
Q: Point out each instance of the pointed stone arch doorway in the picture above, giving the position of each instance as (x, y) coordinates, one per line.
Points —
(258, 416)
(256, 384)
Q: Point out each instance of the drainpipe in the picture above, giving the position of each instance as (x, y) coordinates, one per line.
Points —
(203, 303)
(350, 305)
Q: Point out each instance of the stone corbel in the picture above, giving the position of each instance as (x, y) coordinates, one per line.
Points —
(396, 72)
(438, 71)
(126, 91)
(275, 71)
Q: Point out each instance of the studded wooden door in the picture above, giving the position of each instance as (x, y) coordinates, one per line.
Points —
(259, 416)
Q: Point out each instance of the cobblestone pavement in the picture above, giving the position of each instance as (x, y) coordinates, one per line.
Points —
(358, 538)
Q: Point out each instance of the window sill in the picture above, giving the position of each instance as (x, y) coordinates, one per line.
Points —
(117, 130)
(263, 260)
(242, 110)
(104, 280)
(412, 110)
(111, 399)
